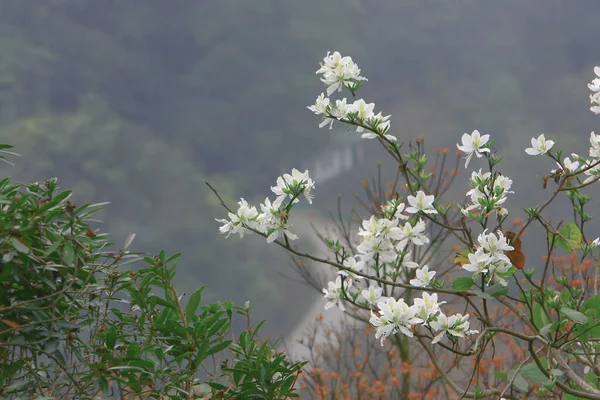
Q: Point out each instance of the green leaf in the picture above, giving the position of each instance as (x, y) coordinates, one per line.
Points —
(61, 197)
(51, 345)
(540, 320)
(574, 316)
(593, 303)
(193, 304)
(103, 383)
(533, 374)
(462, 257)
(154, 300)
(501, 375)
(573, 235)
(20, 246)
(11, 368)
(557, 373)
(218, 347)
(66, 325)
(217, 386)
(126, 368)
(483, 295)
(218, 325)
(111, 337)
(497, 290)
(591, 379)
(520, 383)
(68, 254)
(462, 284)
(570, 237)
(546, 329)
(146, 364)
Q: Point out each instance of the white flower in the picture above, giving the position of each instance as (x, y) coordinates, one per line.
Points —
(338, 72)
(479, 179)
(362, 110)
(353, 264)
(595, 88)
(282, 191)
(595, 85)
(492, 268)
(478, 262)
(394, 316)
(334, 294)
(539, 146)
(393, 209)
(595, 145)
(421, 203)
(407, 261)
(427, 307)
(370, 228)
(494, 245)
(274, 222)
(340, 109)
(380, 124)
(570, 166)
(369, 135)
(362, 113)
(457, 325)
(496, 269)
(502, 185)
(291, 186)
(473, 143)
(321, 105)
(592, 173)
(372, 247)
(373, 294)
(488, 193)
(245, 215)
(415, 234)
(423, 277)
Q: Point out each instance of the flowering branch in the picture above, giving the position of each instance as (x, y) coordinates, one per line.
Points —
(395, 249)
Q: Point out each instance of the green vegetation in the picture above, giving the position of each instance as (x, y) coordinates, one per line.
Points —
(77, 322)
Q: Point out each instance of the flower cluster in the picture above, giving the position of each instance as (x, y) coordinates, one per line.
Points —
(595, 88)
(489, 259)
(592, 167)
(339, 72)
(487, 194)
(456, 325)
(575, 163)
(239, 222)
(383, 250)
(396, 316)
(384, 240)
(336, 293)
(273, 220)
(381, 259)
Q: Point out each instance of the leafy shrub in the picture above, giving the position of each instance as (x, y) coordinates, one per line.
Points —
(78, 321)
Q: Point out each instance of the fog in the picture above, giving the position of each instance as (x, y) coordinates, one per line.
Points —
(140, 103)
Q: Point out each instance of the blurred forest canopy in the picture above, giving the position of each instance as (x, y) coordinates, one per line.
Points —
(156, 97)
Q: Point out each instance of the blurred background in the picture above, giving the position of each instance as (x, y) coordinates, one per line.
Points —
(139, 103)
